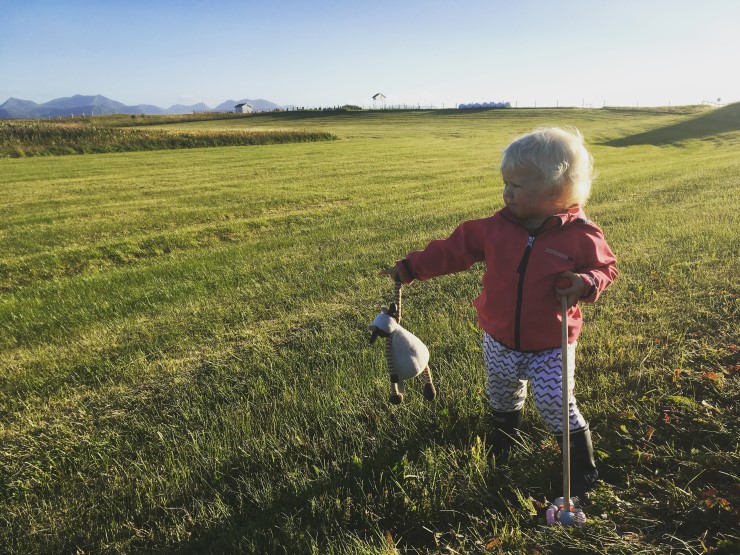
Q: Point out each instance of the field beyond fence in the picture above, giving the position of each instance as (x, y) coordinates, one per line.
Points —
(37, 139)
(184, 355)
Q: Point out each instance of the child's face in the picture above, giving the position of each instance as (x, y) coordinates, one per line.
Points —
(528, 200)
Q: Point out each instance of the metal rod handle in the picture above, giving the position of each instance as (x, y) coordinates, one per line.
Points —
(566, 407)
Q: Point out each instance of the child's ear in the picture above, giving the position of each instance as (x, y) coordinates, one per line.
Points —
(554, 192)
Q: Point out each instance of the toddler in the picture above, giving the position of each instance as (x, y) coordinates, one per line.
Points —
(540, 235)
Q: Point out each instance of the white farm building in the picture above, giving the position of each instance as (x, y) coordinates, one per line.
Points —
(243, 109)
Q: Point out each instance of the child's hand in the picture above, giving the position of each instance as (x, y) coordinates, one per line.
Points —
(392, 272)
(577, 289)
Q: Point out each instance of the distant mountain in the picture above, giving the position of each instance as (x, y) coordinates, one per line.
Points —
(144, 109)
(78, 101)
(182, 109)
(24, 108)
(98, 105)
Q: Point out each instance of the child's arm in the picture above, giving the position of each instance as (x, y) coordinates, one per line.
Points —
(458, 252)
(596, 269)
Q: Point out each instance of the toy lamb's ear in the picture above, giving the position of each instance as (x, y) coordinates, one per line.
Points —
(384, 309)
(393, 311)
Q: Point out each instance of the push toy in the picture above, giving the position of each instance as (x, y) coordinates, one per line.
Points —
(405, 354)
(562, 511)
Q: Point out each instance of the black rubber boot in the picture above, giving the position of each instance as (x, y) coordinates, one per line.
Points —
(583, 473)
(506, 425)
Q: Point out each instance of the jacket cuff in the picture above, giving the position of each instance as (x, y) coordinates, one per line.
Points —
(405, 272)
(591, 292)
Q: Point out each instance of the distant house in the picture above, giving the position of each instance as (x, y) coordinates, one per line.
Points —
(243, 109)
(379, 97)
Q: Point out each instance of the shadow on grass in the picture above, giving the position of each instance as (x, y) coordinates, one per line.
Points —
(356, 500)
(712, 123)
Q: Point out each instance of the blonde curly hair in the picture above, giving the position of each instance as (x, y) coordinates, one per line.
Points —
(559, 159)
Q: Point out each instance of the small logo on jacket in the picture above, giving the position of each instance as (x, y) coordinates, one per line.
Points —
(548, 250)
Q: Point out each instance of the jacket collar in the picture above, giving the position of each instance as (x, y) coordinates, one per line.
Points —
(571, 215)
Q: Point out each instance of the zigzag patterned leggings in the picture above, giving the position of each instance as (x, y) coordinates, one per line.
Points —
(509, 371)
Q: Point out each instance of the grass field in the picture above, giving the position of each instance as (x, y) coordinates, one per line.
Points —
(28, 138)
(184, 363)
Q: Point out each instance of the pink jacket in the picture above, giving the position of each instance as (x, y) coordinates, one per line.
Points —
(518, 307)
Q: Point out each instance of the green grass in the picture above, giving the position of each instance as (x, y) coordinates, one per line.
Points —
(184, 365)
(707, 126)
(21, 139)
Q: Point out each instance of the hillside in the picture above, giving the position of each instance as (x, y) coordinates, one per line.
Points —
(705, 125)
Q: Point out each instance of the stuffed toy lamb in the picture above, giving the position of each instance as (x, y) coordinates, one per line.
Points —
(405, 354)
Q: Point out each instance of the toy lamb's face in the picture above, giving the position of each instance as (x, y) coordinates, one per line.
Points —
(384, 324)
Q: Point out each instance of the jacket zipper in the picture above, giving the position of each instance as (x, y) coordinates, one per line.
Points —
(521, 269)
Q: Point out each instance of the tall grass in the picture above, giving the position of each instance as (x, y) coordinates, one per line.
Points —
(184, 365)
(34, 139)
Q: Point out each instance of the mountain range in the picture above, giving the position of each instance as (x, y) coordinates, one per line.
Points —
(99, 105)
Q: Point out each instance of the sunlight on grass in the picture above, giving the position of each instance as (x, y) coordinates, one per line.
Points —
(184, 364)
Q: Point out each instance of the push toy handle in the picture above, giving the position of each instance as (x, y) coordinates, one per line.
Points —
(563, 283)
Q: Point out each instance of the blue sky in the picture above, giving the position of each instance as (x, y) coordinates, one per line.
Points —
(332, 52)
